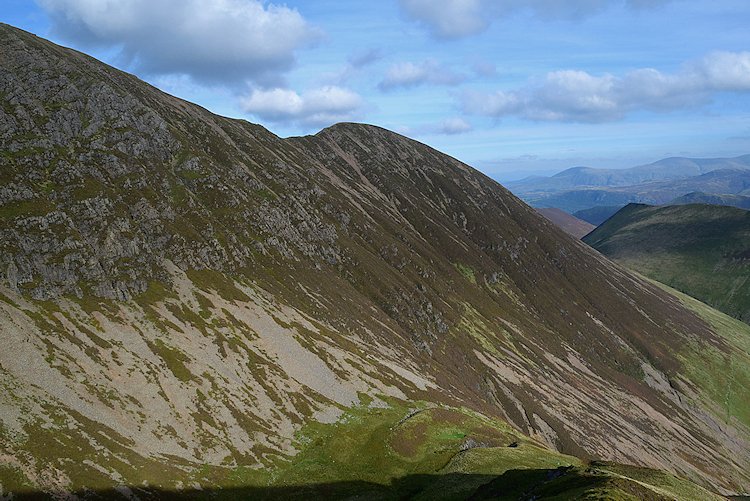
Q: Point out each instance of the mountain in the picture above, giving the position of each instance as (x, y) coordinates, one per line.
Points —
(663, 170)
(697, 197)
(570, 224)
(701, 250)
(597, 215)
(191, 305)
(723, 181)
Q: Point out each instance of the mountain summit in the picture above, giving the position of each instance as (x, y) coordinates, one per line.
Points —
(190, 300)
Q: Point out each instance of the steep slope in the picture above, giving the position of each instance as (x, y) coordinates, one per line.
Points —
(697, 197)
(184, 294)
(698, 249)
(570, 224)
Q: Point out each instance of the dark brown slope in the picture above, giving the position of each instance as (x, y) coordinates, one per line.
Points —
(408, 272)
(575, 227)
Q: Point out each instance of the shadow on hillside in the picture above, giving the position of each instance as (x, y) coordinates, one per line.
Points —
(513, 484)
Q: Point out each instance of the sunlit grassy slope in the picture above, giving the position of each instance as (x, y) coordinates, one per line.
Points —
(397, 450)
(428, 452)
(701, 250)
(726, 383)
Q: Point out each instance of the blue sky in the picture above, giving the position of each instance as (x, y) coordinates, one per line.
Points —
(511, 87)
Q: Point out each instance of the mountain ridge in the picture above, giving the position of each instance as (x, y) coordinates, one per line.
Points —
(739, 201)
(190, 292)
(661, 170)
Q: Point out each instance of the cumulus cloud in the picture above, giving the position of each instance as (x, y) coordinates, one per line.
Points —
(316, 107)
(451, 19)
(212, 41)
(447, 18)
(408, 74)
(729, 71)
(577, 96)
(454, 126)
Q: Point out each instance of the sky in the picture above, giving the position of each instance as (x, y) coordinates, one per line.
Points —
(512, 87)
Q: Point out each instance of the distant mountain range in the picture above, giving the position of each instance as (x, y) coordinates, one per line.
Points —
(662, 170)
(583, 188)
(702, 250)
(697, 197)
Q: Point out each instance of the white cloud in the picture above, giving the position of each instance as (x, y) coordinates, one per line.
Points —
(577, 96)
(408, 74)
(451, 19)
(447, 18)
(454, 126)
(725, 70)
(213, 41)
(318, 107)
(450, 127)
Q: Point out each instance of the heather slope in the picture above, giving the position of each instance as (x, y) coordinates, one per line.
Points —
(575, 227)
(698, 249)
(184, 294)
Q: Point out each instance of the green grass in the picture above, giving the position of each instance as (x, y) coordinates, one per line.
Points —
(209, 280)
(400, 450)
(467, 272)
(156, 292)
(26, 208)
(723, 374)
(418, 451)
(173, 358)
(658, 481)
(12, 479)
(192, 175)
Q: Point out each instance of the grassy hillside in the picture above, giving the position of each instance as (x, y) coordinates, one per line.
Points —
(416, 450)
(719, 378)
(701, 250)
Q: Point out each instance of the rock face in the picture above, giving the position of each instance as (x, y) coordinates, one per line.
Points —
(185, 291)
